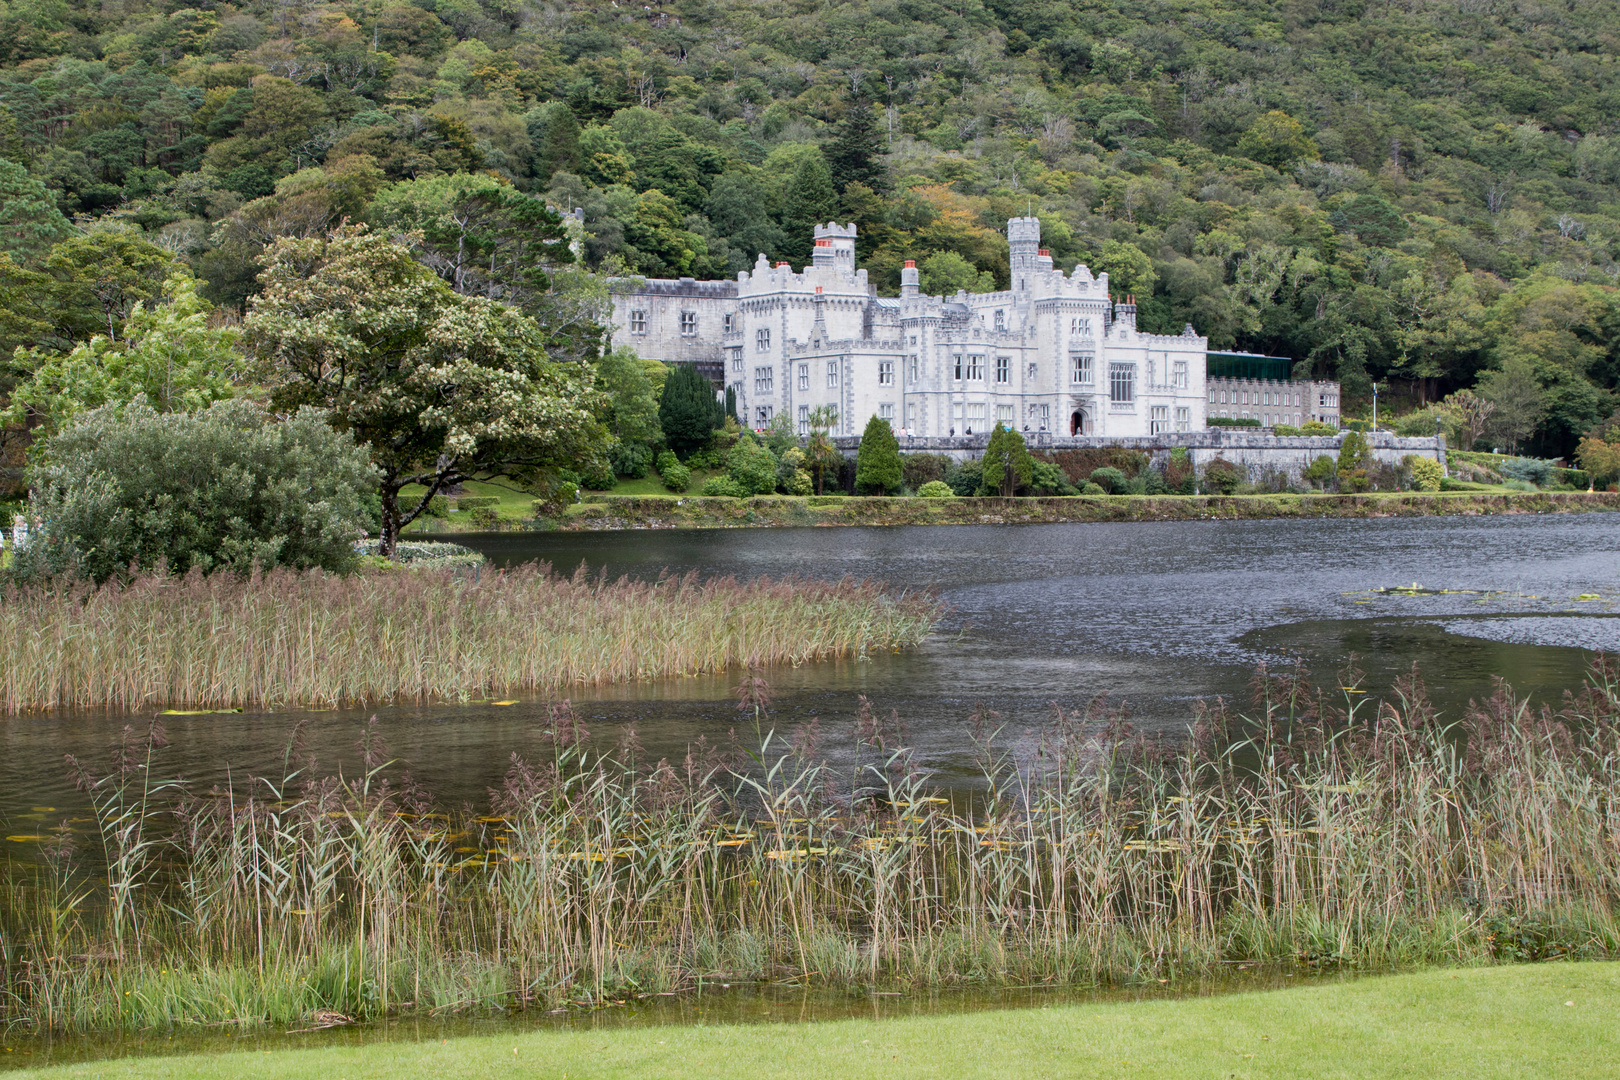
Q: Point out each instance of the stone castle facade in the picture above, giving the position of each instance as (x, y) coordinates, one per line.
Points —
(1055, 355)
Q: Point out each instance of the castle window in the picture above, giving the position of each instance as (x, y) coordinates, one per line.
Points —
(804, 376)
(1080, 368)
(1183, 419)
(1122, 383)
(1158, 419)
(959, 371)
(1001, 319)
(1003, 369)
(762, 416)
(885, 372)
(736, 361)
(1081, 326)
(728, 323)
(975, 366)
(1178, 375)
(1004, 415)
(688, 324)
(886, 412)
(832, 374)
(1033, 369)
(763, 378)
(804, 419)
(638, 322)
(762, 340)
(911, 416)
(913, 365)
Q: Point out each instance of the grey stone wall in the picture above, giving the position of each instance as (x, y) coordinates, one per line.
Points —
(1257, 453)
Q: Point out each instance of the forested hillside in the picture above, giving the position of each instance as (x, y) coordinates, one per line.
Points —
(1424, 192)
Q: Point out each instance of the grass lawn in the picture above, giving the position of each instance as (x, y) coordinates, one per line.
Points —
(1548, 1020)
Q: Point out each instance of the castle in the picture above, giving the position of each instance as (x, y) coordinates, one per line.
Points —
(1055, 355)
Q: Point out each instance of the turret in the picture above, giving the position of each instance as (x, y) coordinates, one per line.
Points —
(909, 278)
(835, 246)
(1023, 243)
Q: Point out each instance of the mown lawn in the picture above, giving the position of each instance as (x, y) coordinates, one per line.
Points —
(1549, 1020)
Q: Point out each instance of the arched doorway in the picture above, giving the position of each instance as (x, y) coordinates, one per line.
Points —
(1077, 423)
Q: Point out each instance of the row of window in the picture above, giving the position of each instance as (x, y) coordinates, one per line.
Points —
(638, 324)
(1241, 397)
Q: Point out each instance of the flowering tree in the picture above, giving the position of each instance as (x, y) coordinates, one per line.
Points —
(442, 387)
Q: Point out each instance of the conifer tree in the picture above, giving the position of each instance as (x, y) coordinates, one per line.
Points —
(688, 411)
(1007, 464)
(856, 154)
(877, 462)
(809, 200)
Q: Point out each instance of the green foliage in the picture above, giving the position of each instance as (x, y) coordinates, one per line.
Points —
(1006, 465)
(918, 469)
(477, 502)
(1426, 472)
(1232, 421)
(877, 463)
(677, 477)
(964, 477)
(1316, 427)
(1090, 488)
(752, 467)
(946, 273)
(442, 387)
(29, 220)
(936, 489)
(1047, 479)
(227, 487)
(632, 404)
(1284, 430)
(1222, 476)
(1278, 140)
(1321, 470)
(1110, 479)
(1531, 470)
(1355, 457)
(665, 459)
(725, 485)
(688, 412)
(631, 460)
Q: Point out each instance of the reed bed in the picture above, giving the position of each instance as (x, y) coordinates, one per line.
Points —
(314, 639)
(1307, 832)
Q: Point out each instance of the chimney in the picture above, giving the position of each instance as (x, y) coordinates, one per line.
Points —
(1126, 313)
(908, 279)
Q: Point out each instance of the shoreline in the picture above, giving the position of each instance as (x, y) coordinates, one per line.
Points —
(603, 512)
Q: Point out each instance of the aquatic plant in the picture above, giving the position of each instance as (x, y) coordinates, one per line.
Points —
(1316, 829)
(311, 638)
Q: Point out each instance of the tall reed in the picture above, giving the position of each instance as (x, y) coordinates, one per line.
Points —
(315, 639)
(1312, 830)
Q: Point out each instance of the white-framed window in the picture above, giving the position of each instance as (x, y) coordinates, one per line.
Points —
(688, 324)
(1001, 319)
(1039, 415)
(762, 340)
(975, 367)
(885, 372)
(736, 361)
(763, 378)
(958, 361)
(1080, 368)
(804, 376)
(1080, 326)
(956, 411)
(1006, 415)
(1178, 374)
(638, 322)
(1003, 369)
(804, 419)
(762, 416)
(1034, 369)
(728, 323)
(914, 364)
(886, 412)
(1183, 418)
(1122, 383)
(911, 416)
(1212, 397)
(1158, 419)
(832, 374)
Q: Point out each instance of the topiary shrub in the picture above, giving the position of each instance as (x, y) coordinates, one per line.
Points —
(725, 485)
(1110, 479)
(1232, 421)
(677, 477)
(936, 489)
(1089, 488)
(1426, 473)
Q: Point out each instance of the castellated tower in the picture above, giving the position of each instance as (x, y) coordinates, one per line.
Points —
(835, 246)
(1023, 243)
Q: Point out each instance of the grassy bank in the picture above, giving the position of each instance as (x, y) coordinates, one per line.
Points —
(697, 512)
(1318, 831)
(1530, 1021)
(224, 642)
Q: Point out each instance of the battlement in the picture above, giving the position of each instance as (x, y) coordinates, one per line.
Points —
(710, 290)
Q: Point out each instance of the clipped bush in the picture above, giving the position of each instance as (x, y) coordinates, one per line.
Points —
(677, 477)
(477, 502)
(725, 485)
(1285, 430)
(1316, 427)
(1089, 488)
(1448, 484)
(1110, 479)
(1518, 485)
(1426, 473)
(878, 469)
(1575, 478)
(1232, 421)
(438, 507)
(936, 489)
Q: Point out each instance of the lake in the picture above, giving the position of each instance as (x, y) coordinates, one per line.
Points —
(1151, 615)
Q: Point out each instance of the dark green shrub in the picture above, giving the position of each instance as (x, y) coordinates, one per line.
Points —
(677, 477)
(725, 485)
(918, 469)
(1232, 421)
(1153, 483)
(632, 460)
(964, 477)
(1578, 479)
(1109, 479)
(228, 487)
(1530, 470)
(1089, 488)
(752, 467)
(477, 502)
(1321, 470)
(1285, 430)
(598, 475)
(688, 409)
(877, 463)
(1047, 479)
(666, 458)
(485, 517)
(1006, 465)
(1223, 476)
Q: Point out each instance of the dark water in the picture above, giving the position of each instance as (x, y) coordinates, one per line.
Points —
(1156, 615)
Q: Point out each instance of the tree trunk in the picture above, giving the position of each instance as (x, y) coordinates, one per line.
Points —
(388, 538)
